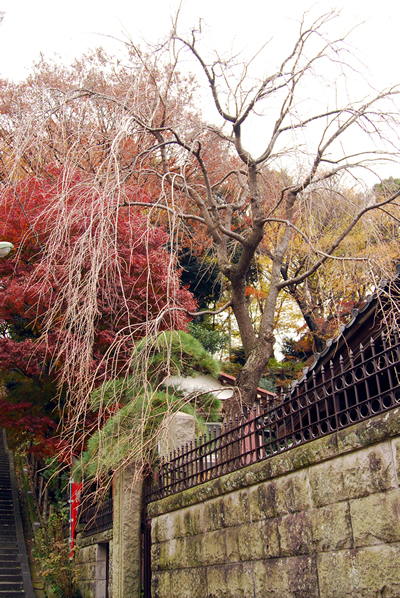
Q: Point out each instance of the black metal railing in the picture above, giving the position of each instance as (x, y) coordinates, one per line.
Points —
(354, 387)
(97, 517)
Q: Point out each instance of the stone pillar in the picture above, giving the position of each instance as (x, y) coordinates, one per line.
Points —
(181, 430)
(127, 558)
(101, 570)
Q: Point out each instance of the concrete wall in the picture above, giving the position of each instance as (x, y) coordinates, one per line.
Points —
(322, 520)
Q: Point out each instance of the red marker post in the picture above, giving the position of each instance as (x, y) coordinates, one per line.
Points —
(74, 500)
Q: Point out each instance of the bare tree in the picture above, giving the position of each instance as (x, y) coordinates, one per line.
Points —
(204, 182)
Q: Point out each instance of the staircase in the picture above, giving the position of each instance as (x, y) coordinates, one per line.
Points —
(14, 568)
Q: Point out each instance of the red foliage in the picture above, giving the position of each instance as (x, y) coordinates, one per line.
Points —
(135, 282)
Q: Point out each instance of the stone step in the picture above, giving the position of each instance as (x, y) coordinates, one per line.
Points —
(11, 585)
(11, 559)
(6, 553)
(10, 577)
(7, 531)
(10, 566)
(8, 545)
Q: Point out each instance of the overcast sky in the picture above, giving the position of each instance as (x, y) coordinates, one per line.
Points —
(68, 28)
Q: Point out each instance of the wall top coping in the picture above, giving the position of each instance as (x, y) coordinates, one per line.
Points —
(361, 435)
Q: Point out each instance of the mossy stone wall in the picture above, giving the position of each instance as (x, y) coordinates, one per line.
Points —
(124, 539)
(87, 564)
(322, 520)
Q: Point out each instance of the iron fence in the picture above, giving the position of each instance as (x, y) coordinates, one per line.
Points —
(354, 387)
(97, 517)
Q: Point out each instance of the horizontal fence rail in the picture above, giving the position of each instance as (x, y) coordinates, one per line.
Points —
(97, 517)
(359, 386)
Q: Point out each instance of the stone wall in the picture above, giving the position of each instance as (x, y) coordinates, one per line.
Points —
(124, 539)
(322, 520)
(90, 564)
(123, 551)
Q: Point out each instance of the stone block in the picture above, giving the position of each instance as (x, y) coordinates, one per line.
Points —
(195, 553)
(262, 499)
(87, 589)
(188, 583)
(193, 521)
(257, 540)
(234, 581)
(293, 493)
(87, 571)
(163, 528)
(232, 544)
(180, 430)
(270, 538)
(331, 527)
(236, 508)
(376, 518)
(155, 556)
(396, 453)
(370, 431)
(326, 483)
(250, 542)
(160, 584)
(286, 578)
(85, 554)
(101, 570)
(372, 572)
(214, 513)
(213, 547)
(289, 494)
(196, 495)
(295, 532)
(173, 554)
(167, 504)
(353, 475)
(101, 588)
(368, 471)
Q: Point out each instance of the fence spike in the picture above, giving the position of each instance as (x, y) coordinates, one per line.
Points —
(372, 344)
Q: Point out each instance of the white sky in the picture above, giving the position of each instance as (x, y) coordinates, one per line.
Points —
(70, 27)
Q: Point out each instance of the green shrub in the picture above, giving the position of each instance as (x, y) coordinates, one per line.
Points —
(51, 552)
